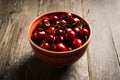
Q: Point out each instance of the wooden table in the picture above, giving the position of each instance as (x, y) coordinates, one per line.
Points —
(101, 60)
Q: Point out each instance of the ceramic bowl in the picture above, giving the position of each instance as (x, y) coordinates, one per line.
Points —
(54, 58)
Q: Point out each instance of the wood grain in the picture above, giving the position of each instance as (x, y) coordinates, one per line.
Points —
(102, 53)
(14, 44)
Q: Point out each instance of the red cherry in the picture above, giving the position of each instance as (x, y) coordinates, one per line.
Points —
(63, 22)
(51, 30)
(34, 39)
(49, 38)
(46, 22)
(69, 48)
(76, 20)
(68, 29)
(45, 45)
(69, 15)
(85, 32)
(76, 29)
(70, 35)
(59, 38)
(80, 34)
(60, 32)
(77, 43)
(40, 35)
(61, 47)
(53, 47)
(57, 22)
(54, 18)
(60, 17)
(41, 24)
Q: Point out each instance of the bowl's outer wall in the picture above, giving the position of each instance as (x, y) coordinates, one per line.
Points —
(59, 59)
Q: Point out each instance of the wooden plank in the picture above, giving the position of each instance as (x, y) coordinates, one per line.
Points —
(6, 30)
(14, 46)
(102, 56)
(17, 61)
(113, 19)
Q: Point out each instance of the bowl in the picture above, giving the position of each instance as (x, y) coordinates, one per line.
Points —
(55, 58)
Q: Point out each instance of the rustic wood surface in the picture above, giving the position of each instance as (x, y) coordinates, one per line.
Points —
(101, 60)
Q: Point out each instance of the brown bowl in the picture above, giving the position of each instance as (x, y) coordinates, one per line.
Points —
(58, 59)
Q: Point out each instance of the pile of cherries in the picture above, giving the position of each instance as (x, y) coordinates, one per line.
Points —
(61, 32)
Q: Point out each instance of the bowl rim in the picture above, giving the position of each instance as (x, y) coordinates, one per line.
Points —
(60, 52)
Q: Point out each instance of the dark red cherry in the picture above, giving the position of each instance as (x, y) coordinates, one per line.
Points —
(60, 46)
(76, 29)
(85, 32)
(60, 32)
(82, 33)
(51, 30)
(59, 38)
(49, 38)
(40, 35)
(70, 35)
(45, 45)
(67, 29)
(54, 18)
(77, 43)
(57, 22)
(69, 48)
(63, 22)
(76, 20)
(69, 15)
(46, 22)
(34, 39)
(53, 47)
(61, 17)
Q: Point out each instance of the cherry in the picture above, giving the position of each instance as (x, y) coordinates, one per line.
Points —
(81, 36)
(46, 22)
(39, 35)
(45, 45)
(41, 24)
(76, 20)
(60, 46)
(59, 38)
(63, 22)
(77, 43)
(51, 30)
(54, 18)
(85, 32)
(49, 38)
(70, 35)
(61, 17)
(82, 33)
(34, 38)
(69, 15)
(69, 48)
(76, 29)
(57, 22)
(67, 29)
(60, 32)
(53, 47)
